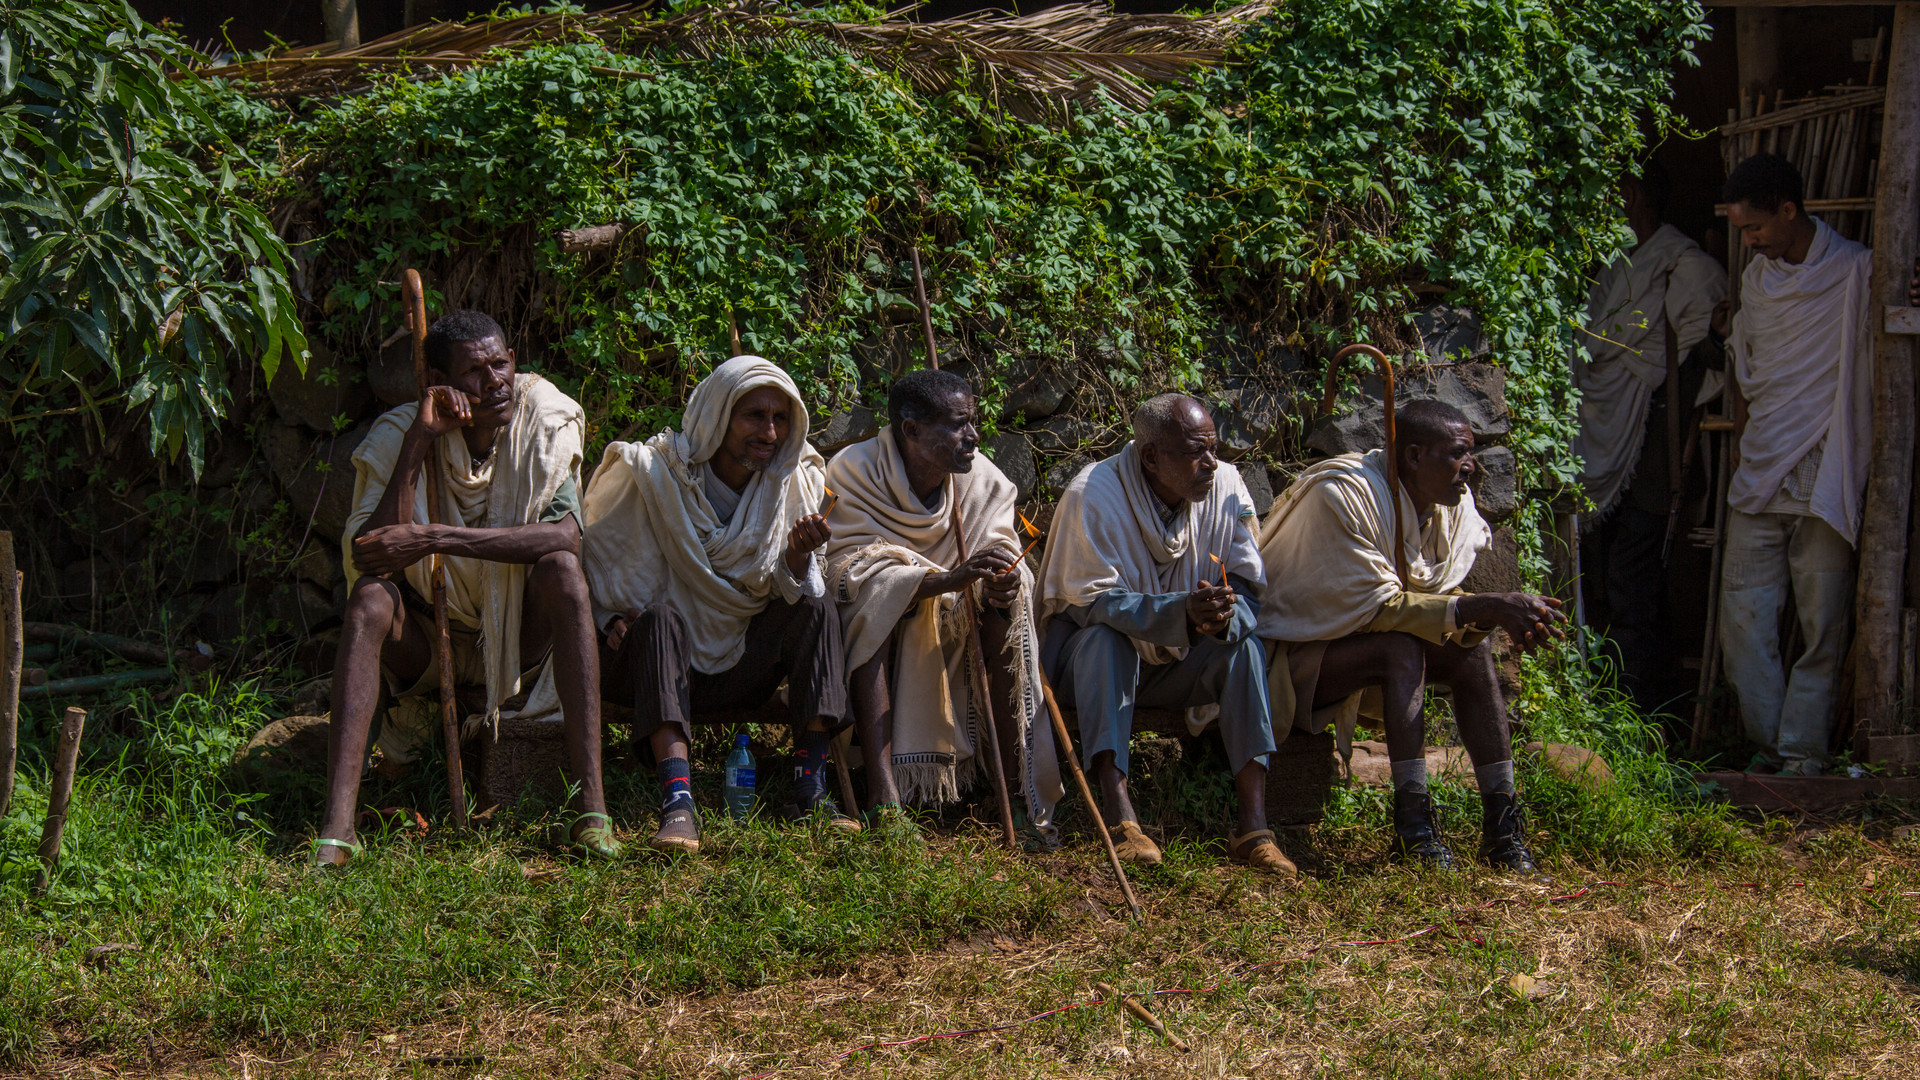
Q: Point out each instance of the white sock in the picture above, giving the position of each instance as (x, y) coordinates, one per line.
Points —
(1496, 779)
(1410, 775)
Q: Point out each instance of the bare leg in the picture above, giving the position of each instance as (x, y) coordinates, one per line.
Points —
(1113, 789)
(994, 628)
(1250, 784)
(1394, 662)
(559, 614)
(356, 692)
(668, 741)
(873, 719)
(1478, 708)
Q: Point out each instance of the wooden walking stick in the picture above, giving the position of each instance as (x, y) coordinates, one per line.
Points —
(13, 651)
(1086, 793)
(449, 725)
(1389, 444)
(66, 758)
(978, 670)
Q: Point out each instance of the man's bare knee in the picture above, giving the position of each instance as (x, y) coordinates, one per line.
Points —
(1403, 661)
(371, 606)
(558, 573)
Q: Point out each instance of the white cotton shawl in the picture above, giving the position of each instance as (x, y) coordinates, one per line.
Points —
(1327, 550)
(1803, 355)
(884, 544)
(1108, 535)
(539, 450)
(1667, 282)
(652, 534)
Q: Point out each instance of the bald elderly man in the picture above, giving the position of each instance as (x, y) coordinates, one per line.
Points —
(1151, 586)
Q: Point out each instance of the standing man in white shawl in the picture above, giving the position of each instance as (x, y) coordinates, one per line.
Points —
(894, 565)
(702, 551)
(509, 447)
(1150, 587)
(1803, 431)
(1648, 314)
(1345, 621)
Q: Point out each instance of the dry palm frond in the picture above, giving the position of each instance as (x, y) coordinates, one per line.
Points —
(1033, 63)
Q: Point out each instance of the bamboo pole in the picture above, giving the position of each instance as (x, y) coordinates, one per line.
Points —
(1883, 531)
(66, 758)
(12, 652)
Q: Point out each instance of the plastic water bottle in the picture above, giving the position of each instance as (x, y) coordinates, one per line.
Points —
(739, 779)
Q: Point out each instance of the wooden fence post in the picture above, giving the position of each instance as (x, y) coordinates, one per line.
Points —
(1883, 531)
(66, 757)
(13, 648)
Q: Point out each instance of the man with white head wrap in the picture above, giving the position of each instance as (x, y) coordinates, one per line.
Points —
(702, 550)
(1351, 610)
(1803, 423)
(1648, 314)
(1150, 588)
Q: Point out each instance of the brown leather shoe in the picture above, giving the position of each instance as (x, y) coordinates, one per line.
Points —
(1257, 851)
(1133, 846)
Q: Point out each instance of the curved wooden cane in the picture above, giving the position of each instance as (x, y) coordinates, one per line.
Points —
(1391, 447)
(416, 301)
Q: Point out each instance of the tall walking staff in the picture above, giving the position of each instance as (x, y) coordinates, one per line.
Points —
(416, 300)
(983, 687)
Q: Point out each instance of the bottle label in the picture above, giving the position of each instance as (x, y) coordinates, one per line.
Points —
(738, 777)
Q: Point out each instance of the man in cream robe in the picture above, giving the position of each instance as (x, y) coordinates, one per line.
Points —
(1649, 309)
(1803, 417)
(507, 532)
(895, 566)
(702, 553)
(1361, 595)
(1150, 588)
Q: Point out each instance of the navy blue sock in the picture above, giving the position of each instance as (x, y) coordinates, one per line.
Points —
(676, 785)
(810, 765)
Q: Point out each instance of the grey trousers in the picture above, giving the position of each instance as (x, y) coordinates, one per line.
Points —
(1096, 671)
(1789, 714)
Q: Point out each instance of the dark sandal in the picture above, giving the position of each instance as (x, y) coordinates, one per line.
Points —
(593, 841)
(679, 833)
(1257, 851)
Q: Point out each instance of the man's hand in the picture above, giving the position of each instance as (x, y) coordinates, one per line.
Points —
(1531, 621)
(985, 565)
(1722, 319)
(618, 626)
(807, 535)
(392, 548)
(1001, 589)
(1209, 608)
(444, 409)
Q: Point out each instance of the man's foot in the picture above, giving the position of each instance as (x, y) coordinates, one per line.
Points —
(1503, 837)
(1804, 767)
(836, 817)
(1257, 851)
(1416, 832)
(592, 837)
(1133, 846)
(330, 854)
(679, 832)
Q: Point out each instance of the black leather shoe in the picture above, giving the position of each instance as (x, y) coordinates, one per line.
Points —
(1416, 833)
(1503, 836)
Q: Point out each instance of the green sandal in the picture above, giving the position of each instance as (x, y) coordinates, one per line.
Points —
(320, 862)
(594, 841)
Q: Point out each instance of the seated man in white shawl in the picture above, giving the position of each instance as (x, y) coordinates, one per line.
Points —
(1150, 588)
(895, 565)
(1803, 423)
(1647, 316)
(507, 530)
(702, 552)
(1349, 613)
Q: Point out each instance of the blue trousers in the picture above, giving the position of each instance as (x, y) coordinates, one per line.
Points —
(1096, 671)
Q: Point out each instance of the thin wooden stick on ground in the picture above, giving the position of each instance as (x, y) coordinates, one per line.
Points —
(66, 757)
(1141, 1014)
(12, 654)
(1086, 794)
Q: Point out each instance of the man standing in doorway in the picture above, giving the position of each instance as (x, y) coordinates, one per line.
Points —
(1803, 415)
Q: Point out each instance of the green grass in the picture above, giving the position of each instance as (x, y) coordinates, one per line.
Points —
(787, 945)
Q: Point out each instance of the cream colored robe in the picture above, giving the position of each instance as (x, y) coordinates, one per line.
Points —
(1668, 283)
(653, 535)
(884, 544)
(1327, 548)
(539, 450)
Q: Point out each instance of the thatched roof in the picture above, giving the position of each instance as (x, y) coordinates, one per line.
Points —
(1034, 63)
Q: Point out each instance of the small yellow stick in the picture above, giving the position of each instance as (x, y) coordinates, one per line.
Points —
(1141, 1014)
